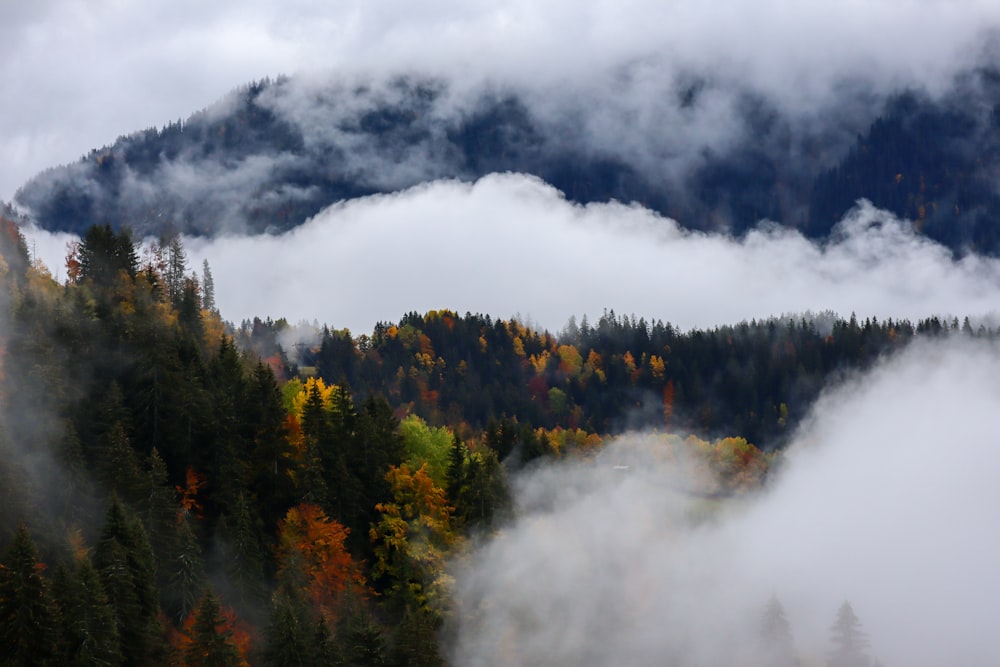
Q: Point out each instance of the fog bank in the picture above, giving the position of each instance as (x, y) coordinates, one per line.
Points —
(887, 500)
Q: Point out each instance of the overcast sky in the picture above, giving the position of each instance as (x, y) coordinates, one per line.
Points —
(75, 74)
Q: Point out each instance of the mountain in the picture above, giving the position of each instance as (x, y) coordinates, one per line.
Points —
(273, 153)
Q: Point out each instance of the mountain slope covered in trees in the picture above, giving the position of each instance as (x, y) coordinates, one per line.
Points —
(273, 153)
(194, 493)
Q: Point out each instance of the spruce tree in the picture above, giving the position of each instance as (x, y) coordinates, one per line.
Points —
(126, 566)
(88, 622)
(210, 641)
(849, 640)
(28, 623)
(288, 641)
(777, 649)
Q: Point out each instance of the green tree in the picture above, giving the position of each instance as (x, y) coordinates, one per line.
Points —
(209, 639)
(288, 640)
(88, 622)
(102, 255)
(28, 630)
(126, 566)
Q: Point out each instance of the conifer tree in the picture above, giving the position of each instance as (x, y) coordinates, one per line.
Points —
(849, 641)
(126, 566)
(187, 569)
(28, 623)
(89, 629)
(207, 287)
(288, 641)
(777, 649)
(210, 642)
(243, 548)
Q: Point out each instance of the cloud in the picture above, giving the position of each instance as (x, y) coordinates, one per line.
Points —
(75, 76)
(510, 244)
(887, 500)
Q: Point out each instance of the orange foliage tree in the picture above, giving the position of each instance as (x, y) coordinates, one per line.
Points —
(312, 554)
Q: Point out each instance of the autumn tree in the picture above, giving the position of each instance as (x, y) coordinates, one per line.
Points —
(411, 538)
(312, 557)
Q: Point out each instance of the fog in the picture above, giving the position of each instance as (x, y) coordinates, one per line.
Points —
(76, 76)
(887, 499)
(511, 245)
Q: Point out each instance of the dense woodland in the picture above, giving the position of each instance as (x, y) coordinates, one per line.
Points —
(179, 490)
(249, 163)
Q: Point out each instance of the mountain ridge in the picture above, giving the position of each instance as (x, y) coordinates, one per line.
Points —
(273, 153)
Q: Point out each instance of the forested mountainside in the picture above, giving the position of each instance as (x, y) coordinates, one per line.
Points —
(273, 153)
(175, 488)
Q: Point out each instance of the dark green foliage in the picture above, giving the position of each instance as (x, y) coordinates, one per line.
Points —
(125, 564)
(90, 634)
(364, 644)
(185, 570)
(104, 253)
(239, 539)
(416, 643)
(930, 159)
(290, 634)
(29, 634)
(210, 642)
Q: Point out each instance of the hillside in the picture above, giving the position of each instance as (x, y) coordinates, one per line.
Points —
(270, 155)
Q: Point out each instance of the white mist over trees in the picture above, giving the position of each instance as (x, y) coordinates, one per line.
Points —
(887, 500)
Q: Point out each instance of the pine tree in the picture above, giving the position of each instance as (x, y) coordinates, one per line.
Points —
(90, 633)
(848, 639)
(777, 649)
(208, 288)
(187, 569)
(416, 642)
(28, 630)
(210, 641)
(241, 534)
(288, 643)
(126, 566)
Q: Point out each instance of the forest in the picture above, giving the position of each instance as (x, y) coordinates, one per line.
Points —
(181, 490)
(264, 166)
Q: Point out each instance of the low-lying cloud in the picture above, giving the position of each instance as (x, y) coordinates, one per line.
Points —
(887, 500)
(509, 244)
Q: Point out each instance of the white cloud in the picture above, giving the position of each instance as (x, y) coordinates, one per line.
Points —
(511, 244)
(887, 500)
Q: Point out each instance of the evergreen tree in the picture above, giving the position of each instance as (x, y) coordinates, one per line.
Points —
(288, 641)
(90, 633)
(210, 642)
(243, 549)
(365, 644)
(187, 570)
(416, 642)
(28, 623)
(126, 566)
(777, 649)
(849, 640)
(207, 288)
